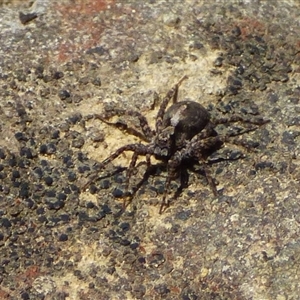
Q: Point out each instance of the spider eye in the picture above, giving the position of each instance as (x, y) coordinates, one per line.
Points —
(161, 151)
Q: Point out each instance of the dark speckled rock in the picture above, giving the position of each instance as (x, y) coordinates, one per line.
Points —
(73, 61)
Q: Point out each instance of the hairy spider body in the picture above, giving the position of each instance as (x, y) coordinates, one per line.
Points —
(182, 132)
(188, 119)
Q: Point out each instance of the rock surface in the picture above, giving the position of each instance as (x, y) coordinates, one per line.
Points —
(61, 62)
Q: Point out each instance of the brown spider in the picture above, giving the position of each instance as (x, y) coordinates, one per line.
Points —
(183, 132)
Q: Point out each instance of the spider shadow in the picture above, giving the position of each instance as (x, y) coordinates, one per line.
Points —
(94, 176)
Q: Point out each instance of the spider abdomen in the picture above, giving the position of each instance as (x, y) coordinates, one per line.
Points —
(188, 119)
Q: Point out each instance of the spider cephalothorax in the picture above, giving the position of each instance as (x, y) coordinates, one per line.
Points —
(182, 132)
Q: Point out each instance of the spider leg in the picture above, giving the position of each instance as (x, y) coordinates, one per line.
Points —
(130, 169)
(172, 94)
(205, 142)
(173, 164)
(146, 130)
(209, 178)
(229, 137)
(200, 147)
(237, 118)
(245, 144)
(137, 149)
(140, 149)
(148, 156)
(128, 175)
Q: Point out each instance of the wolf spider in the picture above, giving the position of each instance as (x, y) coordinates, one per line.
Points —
(183, 132)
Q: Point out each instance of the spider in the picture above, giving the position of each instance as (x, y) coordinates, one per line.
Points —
(183, 132)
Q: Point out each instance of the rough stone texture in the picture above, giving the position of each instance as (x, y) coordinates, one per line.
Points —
(69, 59)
